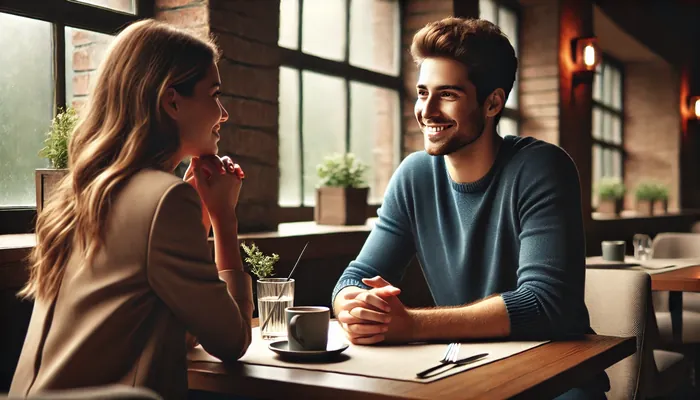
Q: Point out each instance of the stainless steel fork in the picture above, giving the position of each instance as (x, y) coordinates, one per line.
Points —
(450, 357)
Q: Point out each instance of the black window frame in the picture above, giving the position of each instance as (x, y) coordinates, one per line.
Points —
(607, 60)
(62, 14)
(300, 61)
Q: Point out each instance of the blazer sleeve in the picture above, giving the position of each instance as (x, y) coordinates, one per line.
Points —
(216, 308)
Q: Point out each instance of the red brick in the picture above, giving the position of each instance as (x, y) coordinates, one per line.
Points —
(81, 84)
(260, 181)
(257, 83)
(88, 58)
(251, 8)
(259, 29)
(237, 49)
(189, 17)
(428, 6)
(253, 144)
(250, 113)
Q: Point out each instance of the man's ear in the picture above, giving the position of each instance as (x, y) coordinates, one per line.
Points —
(495, 102)
(169, 103)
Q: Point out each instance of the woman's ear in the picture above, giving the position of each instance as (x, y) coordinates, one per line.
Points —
(169, 103)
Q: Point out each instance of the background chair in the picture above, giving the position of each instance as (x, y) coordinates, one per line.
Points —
(619, 304)
(94, 393)
(677, 245)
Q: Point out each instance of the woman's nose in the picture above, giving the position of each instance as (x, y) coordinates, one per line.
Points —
(224, 113)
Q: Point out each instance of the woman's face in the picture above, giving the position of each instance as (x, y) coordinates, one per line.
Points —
(199, 116)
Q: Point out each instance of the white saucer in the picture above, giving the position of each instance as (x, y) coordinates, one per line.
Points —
(333, 349)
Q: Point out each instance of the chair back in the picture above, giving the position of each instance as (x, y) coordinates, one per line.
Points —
(619, 304)
(676, 245)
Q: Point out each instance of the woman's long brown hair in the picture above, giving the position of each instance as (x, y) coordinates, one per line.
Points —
(124, 130)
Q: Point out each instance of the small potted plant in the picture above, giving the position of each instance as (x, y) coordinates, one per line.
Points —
(274, 294)
(660, 205)
(56, 151)
(341, 197)
(645, 194)
(611, 193)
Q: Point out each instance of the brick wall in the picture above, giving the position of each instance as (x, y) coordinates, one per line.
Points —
(539, 69)
(652, 127)
(417, 14)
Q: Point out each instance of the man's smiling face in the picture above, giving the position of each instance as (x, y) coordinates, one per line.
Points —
(446, 109)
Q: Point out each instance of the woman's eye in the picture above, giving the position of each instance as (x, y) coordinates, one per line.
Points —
(217, 93)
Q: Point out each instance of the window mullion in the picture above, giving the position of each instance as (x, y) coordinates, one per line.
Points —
(347, 80)
(59, 66)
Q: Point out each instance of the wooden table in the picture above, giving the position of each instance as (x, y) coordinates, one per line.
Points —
(677, 282)
(543, 372)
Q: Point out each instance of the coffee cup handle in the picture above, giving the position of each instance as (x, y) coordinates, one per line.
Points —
(293, 329)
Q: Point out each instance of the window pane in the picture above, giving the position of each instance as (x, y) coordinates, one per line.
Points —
(607, 84)
(507, 126)
(616, 163)
(289, 143)
(596, 123)
(607, 126)
(597, 171)
(508, 22)
(487, 11)
(85, 50)
(374, 134)
(616, 88)
(324, 116)
(597, 85)
(374, 35)
(616, 129)
(289, 24)
(26, 77)
(607, 163)
(126, 6)
(323, 28)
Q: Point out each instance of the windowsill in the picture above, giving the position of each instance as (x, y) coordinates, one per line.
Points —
(632, 215)
(27, 241)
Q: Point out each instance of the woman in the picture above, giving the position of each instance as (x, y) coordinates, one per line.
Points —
(122, 268)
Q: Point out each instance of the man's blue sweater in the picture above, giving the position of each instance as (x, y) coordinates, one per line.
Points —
(517, 232)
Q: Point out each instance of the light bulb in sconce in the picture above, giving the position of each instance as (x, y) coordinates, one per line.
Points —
(694, 107)
(697, 107)
(589, 56)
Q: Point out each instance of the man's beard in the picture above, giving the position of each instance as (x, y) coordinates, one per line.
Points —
(457, 141)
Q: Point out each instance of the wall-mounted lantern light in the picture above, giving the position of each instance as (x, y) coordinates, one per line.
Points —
(694, 106)
(585, 54)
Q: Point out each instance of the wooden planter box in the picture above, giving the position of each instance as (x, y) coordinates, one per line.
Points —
(644, 207)
(46, 180)
(341, 206)
(610, 206)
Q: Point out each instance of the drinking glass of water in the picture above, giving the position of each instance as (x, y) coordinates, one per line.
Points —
(274, 296)
(642, 247)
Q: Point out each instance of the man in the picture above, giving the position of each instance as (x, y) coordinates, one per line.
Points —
(495, 223)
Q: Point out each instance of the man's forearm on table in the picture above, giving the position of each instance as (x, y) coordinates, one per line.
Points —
(485, 319)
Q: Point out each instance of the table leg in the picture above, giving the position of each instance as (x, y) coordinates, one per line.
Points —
(675, 305)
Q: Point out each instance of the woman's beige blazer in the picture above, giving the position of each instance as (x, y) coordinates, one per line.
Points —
(122, 319)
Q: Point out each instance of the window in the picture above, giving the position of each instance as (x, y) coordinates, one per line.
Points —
(608, 150)
(50, 53)
(507, 19)
(339, 87)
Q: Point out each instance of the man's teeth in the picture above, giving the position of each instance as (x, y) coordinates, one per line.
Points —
(436, 129)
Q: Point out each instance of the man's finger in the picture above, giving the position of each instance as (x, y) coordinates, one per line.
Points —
(374, 300)
(356, 330)
(349, 305)
(370, 315)
(375, 282)
(346, 319)
(366, 340)
(386, 291)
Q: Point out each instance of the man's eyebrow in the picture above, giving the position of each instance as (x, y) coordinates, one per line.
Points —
(444, 87)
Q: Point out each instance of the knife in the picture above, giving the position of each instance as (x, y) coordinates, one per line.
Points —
(461, 361)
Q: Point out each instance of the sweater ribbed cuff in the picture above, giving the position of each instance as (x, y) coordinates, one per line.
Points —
(523, 311)
(345, 283)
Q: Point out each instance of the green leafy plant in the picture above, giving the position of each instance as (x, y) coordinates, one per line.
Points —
(610, 188)
(342, 170)
(651, 191)
(261, 265)
(56, 143)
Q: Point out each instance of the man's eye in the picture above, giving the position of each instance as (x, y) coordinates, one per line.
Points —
(447, 94)
(422, 93)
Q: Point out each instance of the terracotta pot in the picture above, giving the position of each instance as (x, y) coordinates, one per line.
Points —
(610, 206)
(644, 207)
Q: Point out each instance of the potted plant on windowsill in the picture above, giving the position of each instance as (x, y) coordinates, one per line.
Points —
(341, 197)
(660, 205)
(611, 193)
(645, 195)
(56, 151)
(268, 291)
